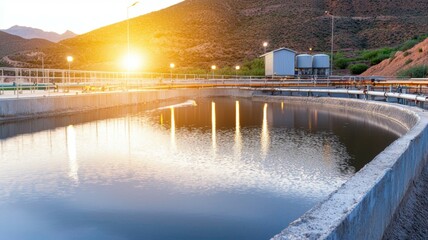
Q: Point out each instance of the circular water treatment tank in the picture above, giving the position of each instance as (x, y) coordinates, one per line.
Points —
(321, 61)
(304, 61)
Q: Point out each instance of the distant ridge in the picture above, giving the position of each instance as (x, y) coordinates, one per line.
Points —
(30, 33)
(10, 44)
(195, 34)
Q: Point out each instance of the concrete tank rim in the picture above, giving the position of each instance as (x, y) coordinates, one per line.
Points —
(321, 221)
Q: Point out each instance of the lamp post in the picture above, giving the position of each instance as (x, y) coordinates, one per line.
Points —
(328, 13)
(213, 68)
(171, 67)
(236, 71)
(69, 60)
(265, 44)
(129, 50)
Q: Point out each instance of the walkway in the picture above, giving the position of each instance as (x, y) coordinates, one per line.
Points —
(411, 221)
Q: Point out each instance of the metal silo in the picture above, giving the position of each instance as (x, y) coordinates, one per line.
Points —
(304, 61)
(304, 64)
(321, 64)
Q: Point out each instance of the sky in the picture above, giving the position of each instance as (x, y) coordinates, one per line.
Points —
(79, 16)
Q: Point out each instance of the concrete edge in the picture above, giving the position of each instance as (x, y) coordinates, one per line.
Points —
(363, 207)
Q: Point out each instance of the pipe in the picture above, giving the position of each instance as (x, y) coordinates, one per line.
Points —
(406, 96)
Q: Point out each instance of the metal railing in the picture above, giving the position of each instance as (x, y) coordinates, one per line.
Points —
(19, 80)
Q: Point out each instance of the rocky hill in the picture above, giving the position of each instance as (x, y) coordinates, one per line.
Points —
(30, 33)
(198, 33)
(14, 45)
(416, 56)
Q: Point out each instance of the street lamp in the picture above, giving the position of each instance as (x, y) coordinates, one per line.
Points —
(69, 60)
(127, 20)
(236, 71)
(265, 44)
(129, 51)
(213, 68)
(171, 67)
(328, 13)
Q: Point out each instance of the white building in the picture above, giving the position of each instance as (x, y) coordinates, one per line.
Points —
(280, 62)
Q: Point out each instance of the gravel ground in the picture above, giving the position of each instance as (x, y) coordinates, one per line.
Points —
(411, 221)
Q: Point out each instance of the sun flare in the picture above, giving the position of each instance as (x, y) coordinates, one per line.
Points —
(132, 62)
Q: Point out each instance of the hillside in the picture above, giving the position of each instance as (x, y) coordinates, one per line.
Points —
(198, 33)
(11, 44)
(416, 56)
(30, 33)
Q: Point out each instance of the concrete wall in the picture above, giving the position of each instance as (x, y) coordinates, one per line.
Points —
(22, 108)
(361, 209)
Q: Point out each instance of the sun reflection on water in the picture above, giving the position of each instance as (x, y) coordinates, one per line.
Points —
(213, 127)
(238, 135)
(265, 133)
(72, 153)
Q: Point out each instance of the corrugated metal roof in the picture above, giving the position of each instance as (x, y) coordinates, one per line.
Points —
(277, 50)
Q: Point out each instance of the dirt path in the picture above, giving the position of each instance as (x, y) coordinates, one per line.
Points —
(411, 221)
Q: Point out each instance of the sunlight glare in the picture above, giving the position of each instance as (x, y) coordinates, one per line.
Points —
(132, 62)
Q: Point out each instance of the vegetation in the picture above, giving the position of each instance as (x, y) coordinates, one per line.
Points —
(408, 61)
(356, 61)
(415, 72)
(358, 68)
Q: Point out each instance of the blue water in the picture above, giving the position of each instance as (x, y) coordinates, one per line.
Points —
(217, 168)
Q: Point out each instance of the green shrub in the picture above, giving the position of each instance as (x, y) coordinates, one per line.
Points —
(392, 54)
(341, 63)
(358, 68)
(408, 44)
(415, 72)
(408, 61)
(406, 54)
(378, 55)
(378, 59)
(420, 50)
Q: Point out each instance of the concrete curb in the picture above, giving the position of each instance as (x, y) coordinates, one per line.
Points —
(363, 207)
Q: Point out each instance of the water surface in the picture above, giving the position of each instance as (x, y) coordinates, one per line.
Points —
(221, 169)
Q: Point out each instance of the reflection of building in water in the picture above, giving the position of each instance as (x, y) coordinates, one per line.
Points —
(72, 153)
(213, 126)
(238, 136)
(173, 139)
(265, 132)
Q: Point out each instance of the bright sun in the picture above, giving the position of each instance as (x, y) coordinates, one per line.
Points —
(132, 62)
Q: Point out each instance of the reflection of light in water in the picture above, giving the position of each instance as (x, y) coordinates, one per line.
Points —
(316, 118)
(327, 154)
(282, 106)
(238, 136)
(173, 141)
(294, 164)
(265, 133)
(161, 119)
(213, 126)
(72, 156)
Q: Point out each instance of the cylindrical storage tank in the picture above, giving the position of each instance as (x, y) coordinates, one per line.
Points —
(304, 61)
(321, 61)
